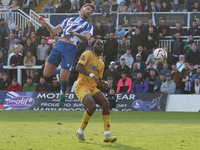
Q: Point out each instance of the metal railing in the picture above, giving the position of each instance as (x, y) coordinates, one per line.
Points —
(19, 71)
(19, 17)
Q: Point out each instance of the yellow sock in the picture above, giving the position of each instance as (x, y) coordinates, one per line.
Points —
(106, 121)
(85, 120)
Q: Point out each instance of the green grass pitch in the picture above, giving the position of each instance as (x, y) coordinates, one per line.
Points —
(55, 130)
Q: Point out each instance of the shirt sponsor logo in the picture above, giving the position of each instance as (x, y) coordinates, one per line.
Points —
(93, 67)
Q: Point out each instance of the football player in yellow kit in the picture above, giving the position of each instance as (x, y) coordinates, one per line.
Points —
(90, 68)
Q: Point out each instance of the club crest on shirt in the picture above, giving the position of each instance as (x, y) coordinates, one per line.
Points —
(93, 67)
(83, 57)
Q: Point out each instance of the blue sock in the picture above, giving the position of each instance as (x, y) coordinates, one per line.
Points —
(57, 71)
(63, 87)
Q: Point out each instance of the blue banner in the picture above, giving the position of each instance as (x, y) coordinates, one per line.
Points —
(49, 101)
(57, 19)
(171, 19)
(126, 19)
(2, 98)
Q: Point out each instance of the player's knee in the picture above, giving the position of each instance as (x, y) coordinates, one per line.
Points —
(46, 75)
(106, 104)
(92, 109)
(63, 79)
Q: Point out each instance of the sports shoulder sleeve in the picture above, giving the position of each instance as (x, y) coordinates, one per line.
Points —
(89, 29)
(84, 58)
(63, 24)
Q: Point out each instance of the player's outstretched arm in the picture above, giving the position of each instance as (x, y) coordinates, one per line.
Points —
(85, 37)
(50, 28)
(80, 68)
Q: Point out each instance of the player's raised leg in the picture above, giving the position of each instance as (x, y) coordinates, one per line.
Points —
(49, 69)
(104, 103)
(89, 102)
(64, 74)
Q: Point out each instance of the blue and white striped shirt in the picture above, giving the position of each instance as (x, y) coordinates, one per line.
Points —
(77, 24)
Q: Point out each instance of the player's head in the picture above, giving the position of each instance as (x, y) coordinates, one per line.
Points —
(87, 10)
(97, 46)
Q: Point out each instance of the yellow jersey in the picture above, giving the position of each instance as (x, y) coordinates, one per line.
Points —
(93, 64)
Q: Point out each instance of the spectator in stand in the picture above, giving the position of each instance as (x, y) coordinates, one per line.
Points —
(140, 50)
(29, 85)
(178, 29)
(150, 41)
(196, 86)
(9, 41)
(196, 7)
(29, 29)
(140, 63)
(111, 85)
(169, 56)
(112, 72)
(124, 84)
(168, 86)
(130, 31)
(177, 78)
(150, 24)
(132, 7)
(42, 32)
(135, 41)
(122, 6)
(158, 83)
(151, 66)
(42, 86)
(180, 64)
(16, 30)
(55, 86)
(177, 47)
(186, 69)
(99, 30)
(140, 5)
(105, 8)
(128, 57)
(112, 98)
(140, 85)
(152, 8)
(110, 48)
(50, 39)
(60, 8)
(133, 72)
(15, 45)
(152, 79)
(23, 41)
(13, 5)
(122, 47)
(42, 52)
(4, 32)
(49, 8)
(29, 61)
(29, 47)
(151, 58)
(4, 82)
(98, 4)
(20, 34)
(165, 7)
(194, 30)
(34, 39)
(141, 26)
(165, 69)
(2, 58)
(163, 29)
(120, 32)
(188, 45)
(114, 8)
(196, 75)
(177, 5)
(109, 28)
(123, 67)
(187, 77)
(74, 9)
(194, 55)
(15, 86)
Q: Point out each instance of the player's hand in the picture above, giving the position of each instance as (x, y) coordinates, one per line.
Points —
(105, 85)
(72, 32)
(96, 79)
(41, 20)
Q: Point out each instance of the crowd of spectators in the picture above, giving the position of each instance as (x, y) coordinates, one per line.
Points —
(128, 54)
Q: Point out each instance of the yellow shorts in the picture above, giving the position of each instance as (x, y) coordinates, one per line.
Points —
(82, 92)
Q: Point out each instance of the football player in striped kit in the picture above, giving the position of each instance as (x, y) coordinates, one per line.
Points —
(73, 30)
